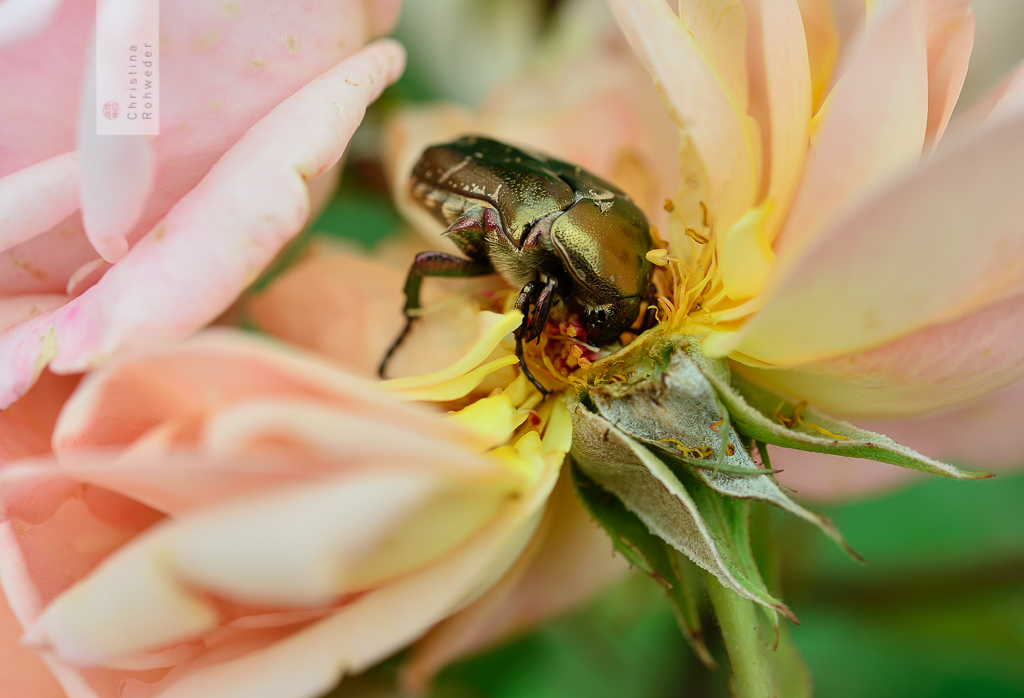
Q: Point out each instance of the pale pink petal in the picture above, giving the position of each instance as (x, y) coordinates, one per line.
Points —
(341, 305)
(721, 31)
(573, 562)
(18, 309)
(24, 673)
(819, 21)
(117, 177)
(1005, 100)
(86, 276)
(26, 426)
(982, 434)
(365, 632)
(45, 263)
(361, 633)
(950, 40)
(213, 371)
(223, 67)
(939, 244)
(382, 15)
(780, 96)
(41, 79)
(36, 198)
(698, 102)
(39, 562)
(249, 205)
(300, 546)
(933, 368)
(117, 172)
(871, 126)
(23, 19)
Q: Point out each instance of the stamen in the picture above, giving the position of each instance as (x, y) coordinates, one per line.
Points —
(697, 236)
(658, 257)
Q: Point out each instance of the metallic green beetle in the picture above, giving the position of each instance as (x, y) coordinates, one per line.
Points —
(560, 233)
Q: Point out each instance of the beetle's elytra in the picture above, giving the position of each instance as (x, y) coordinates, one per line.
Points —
(563, 235)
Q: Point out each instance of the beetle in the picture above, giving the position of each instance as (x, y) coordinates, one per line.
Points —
(563, 235)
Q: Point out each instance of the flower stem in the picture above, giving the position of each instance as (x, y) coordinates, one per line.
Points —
(740, 623)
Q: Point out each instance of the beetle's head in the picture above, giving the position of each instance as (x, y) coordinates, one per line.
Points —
(604, 323)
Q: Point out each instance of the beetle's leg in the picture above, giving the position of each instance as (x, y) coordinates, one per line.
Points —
(430, 264)
(532, 294)
(651, 314)
(542, 308)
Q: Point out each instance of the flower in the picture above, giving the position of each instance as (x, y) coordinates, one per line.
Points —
(227, 517)
(876, 273)
(817, 239)
(113, 243)
(922, 376)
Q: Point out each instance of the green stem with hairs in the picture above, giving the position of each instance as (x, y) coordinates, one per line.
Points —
(740, 622)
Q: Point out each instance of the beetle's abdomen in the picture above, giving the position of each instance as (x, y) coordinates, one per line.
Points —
(449, 178)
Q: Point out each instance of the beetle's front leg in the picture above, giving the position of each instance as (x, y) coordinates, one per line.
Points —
(430, 264)
(651, 314)
(539, 295)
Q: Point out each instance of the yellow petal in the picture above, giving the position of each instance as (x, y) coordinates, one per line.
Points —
(558, 433)
(780, 85)
(525, 458)
(457, 387)
(699, 102)
(747, 257)
(491, 418)
(822, 44)
(720, 29)
(493, 329)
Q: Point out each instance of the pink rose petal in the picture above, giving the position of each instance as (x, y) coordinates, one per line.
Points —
(24, 673)
(23, 19)
(249, 205)
(933, 368)
(872, 124)
(223, 67)
(572, 562)
(780, 96)
(940, 244)
(698, 102)
(950, 40)
(25, 427)
(36, 198)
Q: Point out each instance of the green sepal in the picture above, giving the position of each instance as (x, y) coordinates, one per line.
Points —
(694, 519)
(649, 554)
(750, 406)
(677, 403)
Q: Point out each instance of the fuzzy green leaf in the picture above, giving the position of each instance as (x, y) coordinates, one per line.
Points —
(759, 413)
(679, 413)
(692, 518)
(651, 555)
